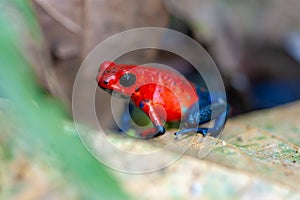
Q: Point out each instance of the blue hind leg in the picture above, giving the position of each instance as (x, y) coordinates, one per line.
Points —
(198, 116)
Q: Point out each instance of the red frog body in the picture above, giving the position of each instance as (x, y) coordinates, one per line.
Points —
(163, 94)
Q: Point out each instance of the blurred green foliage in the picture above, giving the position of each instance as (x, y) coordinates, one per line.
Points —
(41, 118)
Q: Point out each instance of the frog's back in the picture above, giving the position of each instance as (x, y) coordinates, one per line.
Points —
(167, 88)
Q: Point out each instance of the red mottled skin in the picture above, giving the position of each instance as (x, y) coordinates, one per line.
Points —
(165, 94)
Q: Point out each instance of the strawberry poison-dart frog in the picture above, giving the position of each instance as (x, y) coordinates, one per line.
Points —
(165, 96)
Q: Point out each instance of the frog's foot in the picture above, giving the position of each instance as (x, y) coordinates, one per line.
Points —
(185, 131)
(152, 132)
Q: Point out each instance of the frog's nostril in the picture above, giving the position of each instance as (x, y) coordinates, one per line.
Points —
(105, 82)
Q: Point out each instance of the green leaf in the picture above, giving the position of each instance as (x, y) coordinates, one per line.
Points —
(41, 120)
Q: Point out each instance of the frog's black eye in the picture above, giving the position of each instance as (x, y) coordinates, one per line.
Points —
(127, 80)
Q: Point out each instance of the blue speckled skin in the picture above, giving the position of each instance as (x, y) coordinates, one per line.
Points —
(212, 106)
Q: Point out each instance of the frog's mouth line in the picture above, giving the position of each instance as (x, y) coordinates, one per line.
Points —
(116, 94)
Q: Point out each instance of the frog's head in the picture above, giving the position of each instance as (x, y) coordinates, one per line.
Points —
(117, 79)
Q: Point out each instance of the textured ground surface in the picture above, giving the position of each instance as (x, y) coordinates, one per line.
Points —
(257, 157)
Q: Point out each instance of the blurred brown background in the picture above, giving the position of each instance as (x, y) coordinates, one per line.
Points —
(256, 44)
